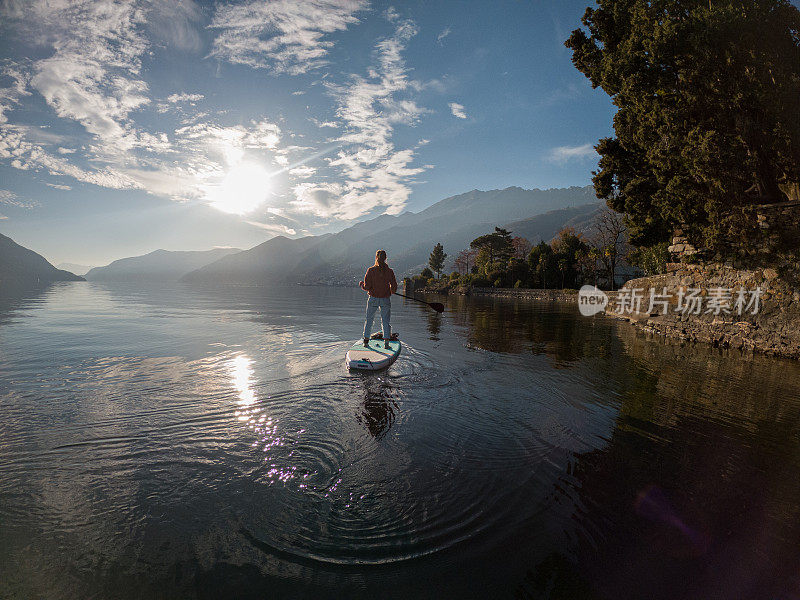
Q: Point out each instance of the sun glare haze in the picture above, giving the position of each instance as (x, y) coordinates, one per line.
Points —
(244, 189)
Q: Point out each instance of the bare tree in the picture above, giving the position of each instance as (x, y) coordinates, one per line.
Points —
(610, 237)
(522, 247)
(465, 260)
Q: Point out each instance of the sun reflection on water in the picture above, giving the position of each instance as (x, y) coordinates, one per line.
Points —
(242, 375)
(262, 424)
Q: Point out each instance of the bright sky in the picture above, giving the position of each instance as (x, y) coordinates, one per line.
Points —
(129, 126)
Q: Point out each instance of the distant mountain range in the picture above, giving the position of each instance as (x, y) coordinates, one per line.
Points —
(22, 269)
(73, 268)
(160, 265)
(274, 260)
(342, 258)
(546, 226)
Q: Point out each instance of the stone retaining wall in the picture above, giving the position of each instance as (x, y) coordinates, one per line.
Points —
(774, 329)
(527, 294)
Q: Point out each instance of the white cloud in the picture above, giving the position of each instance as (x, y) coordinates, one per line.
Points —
(9, 198)
(317, 198)
(283, 36)
(26, 155)
(322, 124)
(562, 154)
(184, 97)
(10, 96)
(391, 14)
(376, 174)
(273, 228)
(302, 172)
(443, 34)
(457, 110)
(93, 76)
(176, 22)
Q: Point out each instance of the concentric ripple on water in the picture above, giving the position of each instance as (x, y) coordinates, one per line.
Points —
(181, 442)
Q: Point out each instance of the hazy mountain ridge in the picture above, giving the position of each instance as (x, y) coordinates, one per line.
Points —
(270, 261)
(159, 265)
(408, 238)
(546, 226)
(73, 268)
(21, 268)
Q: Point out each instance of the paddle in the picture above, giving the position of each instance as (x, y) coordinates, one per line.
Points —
(437, 306)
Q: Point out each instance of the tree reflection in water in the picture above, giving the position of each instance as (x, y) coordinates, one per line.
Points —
(520, 326)
(434, 325)
(693, 495)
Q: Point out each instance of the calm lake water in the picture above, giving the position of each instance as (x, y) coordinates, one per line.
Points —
(173, 442)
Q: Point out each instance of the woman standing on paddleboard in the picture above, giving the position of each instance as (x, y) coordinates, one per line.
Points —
(380, 284)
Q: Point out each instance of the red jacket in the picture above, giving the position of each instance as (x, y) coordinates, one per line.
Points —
(380, 283)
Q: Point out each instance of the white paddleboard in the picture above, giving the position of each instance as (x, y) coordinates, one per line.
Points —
(374, 357)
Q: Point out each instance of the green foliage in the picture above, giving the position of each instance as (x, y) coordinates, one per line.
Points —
(542, 264)
(652, 260)
(495, 275)
(436, 260)
(565, 261)
(570, 250)
(708, 120)
(415, 283)
(518, 270)
(426, 273)
(483, 260)
(493, 248)
(478, 281)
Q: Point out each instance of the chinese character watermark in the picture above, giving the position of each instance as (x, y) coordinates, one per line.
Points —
(688, 301)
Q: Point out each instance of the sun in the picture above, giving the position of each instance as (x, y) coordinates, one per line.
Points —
(243, 189)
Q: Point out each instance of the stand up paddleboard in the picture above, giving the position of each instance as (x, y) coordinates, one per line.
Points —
(374, 357)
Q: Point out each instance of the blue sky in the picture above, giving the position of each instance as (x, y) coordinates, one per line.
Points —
(131, 126)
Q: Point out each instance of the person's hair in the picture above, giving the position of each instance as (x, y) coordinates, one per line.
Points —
(380, 259)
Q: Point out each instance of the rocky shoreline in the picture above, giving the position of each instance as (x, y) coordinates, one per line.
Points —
(772, 329)
(722, 293)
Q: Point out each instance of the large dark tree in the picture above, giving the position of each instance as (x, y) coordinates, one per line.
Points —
(708, 119)
(497, 245)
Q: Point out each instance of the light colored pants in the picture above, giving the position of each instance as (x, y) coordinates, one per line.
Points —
(373, 304)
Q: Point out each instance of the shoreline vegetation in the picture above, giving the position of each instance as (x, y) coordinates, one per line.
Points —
(773, 331)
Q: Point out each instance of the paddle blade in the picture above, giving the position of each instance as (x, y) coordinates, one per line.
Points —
(437, 306)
